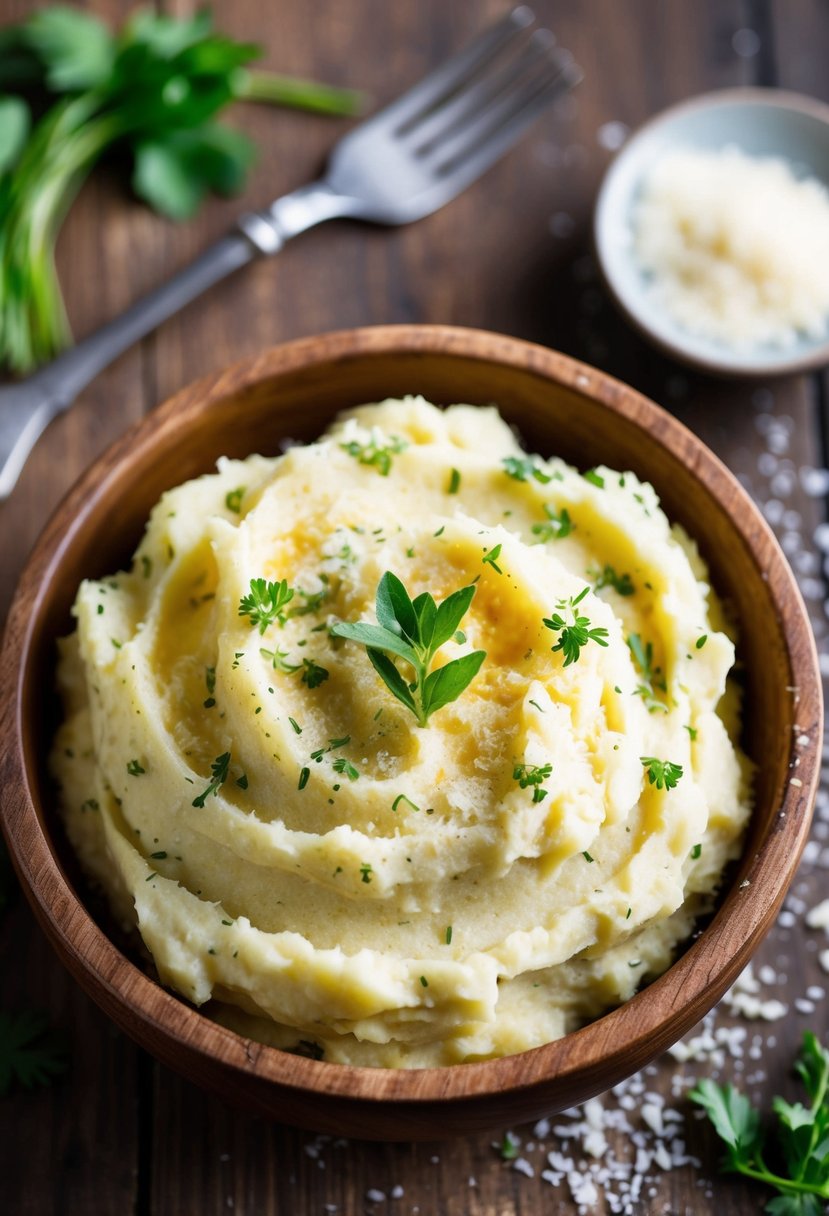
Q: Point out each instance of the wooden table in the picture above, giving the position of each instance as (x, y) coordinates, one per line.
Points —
(121, 1134)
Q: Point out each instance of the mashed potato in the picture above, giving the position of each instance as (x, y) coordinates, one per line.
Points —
(332, 876)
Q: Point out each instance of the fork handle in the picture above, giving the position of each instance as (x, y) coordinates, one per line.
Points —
(26, 408)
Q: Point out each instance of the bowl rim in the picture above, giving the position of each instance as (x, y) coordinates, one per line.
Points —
(771, 98)
(600, 1051)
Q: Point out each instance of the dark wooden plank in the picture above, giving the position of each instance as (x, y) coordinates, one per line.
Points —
(511, 254)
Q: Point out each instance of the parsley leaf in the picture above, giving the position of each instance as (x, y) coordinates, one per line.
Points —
(576, 633)
(414, 630)
(651, 676)
(31, 1053)
(265, 603)
(800, 1137)
(313, 674)
(662, 773)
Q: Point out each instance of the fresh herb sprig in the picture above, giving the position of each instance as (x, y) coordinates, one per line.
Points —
(575, 633)
(801, 1135)
(652, 677)
(152, 91)
(266, 602)
(414, 630)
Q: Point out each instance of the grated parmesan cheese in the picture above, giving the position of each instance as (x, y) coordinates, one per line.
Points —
(737, 247)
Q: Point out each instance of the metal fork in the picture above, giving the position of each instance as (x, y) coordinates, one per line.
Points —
(403, 163)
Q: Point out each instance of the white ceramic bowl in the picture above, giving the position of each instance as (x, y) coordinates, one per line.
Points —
(761, 122)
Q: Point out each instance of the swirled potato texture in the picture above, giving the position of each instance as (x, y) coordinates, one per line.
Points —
(297, 849)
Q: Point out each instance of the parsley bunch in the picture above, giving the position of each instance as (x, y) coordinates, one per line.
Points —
(265, 604)
(73, 91)
(801, 1136)
(414, 630)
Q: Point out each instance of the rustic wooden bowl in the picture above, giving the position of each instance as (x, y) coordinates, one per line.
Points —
(560, 406)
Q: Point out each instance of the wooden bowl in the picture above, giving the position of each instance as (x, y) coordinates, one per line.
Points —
(559, 406)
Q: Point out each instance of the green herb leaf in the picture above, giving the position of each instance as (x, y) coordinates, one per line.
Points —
(377, 451)
(661, 773)
(233, 499)
(313, 674)
(265, 603)
(490, 558)
(414, 631)
(522, 468)
(575, 633)
(219, 770)
(76, 49)
(15, 121)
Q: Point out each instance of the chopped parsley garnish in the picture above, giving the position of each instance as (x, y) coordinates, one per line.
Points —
(341, 765)
(510, 1146)
(692, 731)
(700, 642)
(454, 482)
(696, 852)
(266, 602)
(448, 935)
(296, 727)
(233, 499)
(594, 478)
(490, 558)
(532, 775)
(661, 773)
(402, 798)
(304, 774)
(576, 633)
(365, 872)
(279, 660)
(376, 451)
(558, 524)
(210, 681)
(219, 770)
(146, 565)
(414, 630)
(313, 674)
(424, 982)
(587, 856)
(522, 468)
(159, 856)
(242, 781)
(622, 584)
(651, 676)
(134, 768)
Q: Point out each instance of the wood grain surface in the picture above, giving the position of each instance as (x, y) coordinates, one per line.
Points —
(121, 1133)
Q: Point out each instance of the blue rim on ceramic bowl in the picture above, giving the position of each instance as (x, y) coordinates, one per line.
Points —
(761, 122)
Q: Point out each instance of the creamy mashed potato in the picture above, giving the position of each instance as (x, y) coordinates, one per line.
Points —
(297, 850)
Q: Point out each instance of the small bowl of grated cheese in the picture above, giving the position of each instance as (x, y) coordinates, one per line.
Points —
(712, 231)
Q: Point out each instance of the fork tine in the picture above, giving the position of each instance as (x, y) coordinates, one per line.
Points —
(470, 103)
(435, 88)
(481, 143)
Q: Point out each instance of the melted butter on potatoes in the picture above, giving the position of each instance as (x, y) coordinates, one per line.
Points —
(297, 850)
